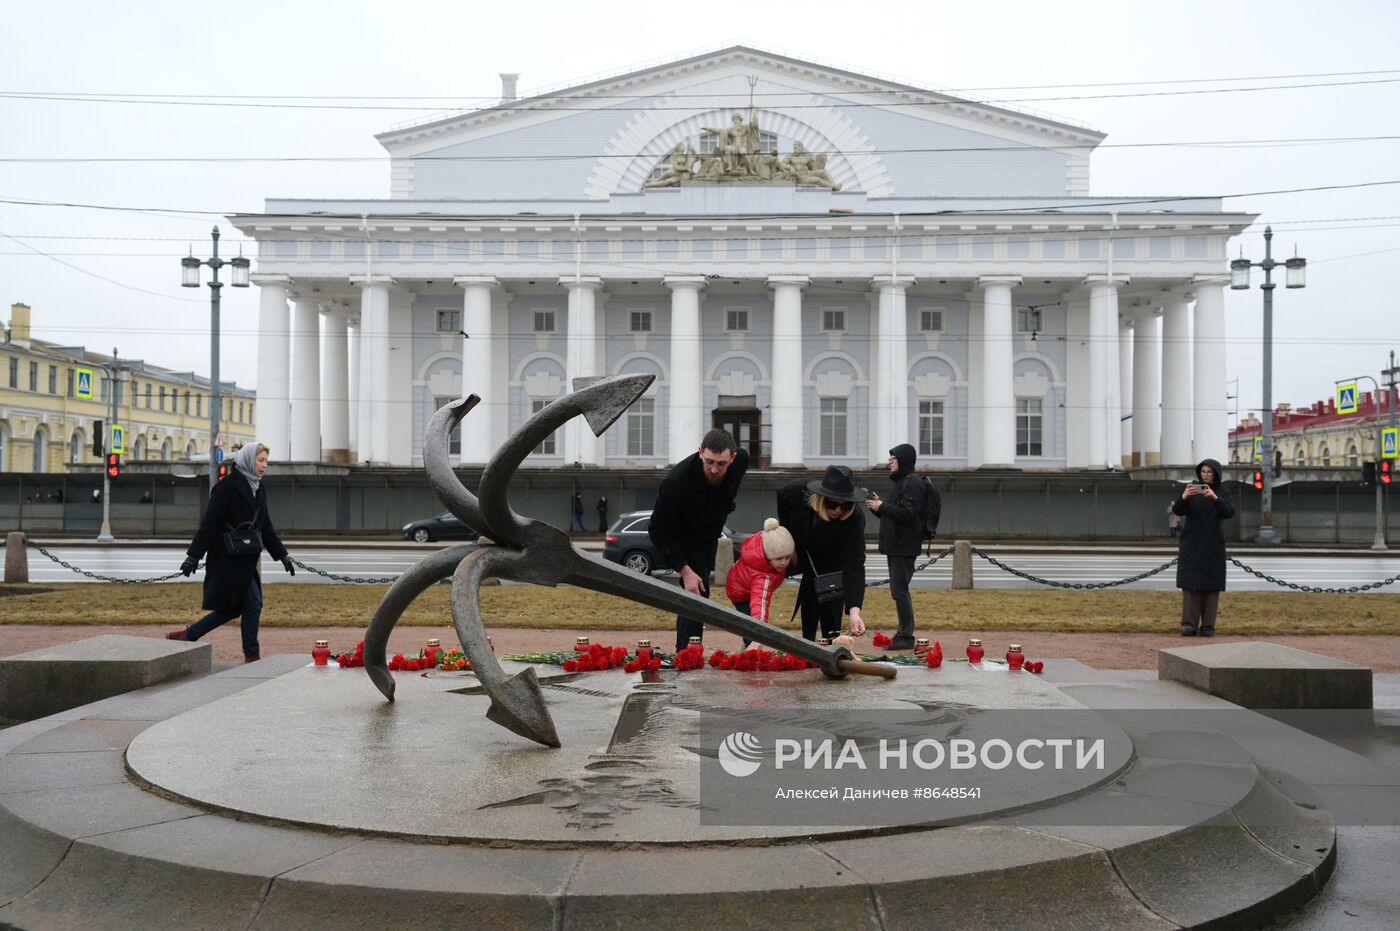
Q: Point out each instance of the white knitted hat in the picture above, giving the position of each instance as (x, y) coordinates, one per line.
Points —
(777, 542)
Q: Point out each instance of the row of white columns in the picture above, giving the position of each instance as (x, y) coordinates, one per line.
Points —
(1173, 383)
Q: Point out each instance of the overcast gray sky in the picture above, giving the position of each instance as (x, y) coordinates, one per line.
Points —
(111, 277)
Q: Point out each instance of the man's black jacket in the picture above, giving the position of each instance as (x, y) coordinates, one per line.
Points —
(689, 513)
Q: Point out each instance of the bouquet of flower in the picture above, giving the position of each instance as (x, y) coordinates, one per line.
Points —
(759, 660)
(352, 660)
(399, 663)
(452, 660)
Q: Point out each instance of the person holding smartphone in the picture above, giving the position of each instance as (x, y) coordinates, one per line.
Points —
(1200, 569)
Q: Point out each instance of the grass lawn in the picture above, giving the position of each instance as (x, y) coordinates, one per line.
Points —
(317, 605)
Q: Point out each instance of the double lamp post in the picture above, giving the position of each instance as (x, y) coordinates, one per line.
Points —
(239, 268)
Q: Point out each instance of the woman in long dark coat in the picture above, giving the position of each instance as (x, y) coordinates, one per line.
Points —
(231, 585)
(828, 529)
(1200, 570)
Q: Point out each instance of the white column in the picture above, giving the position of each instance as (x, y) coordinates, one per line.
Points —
(581, 361)
(1176, 382)
(374, 369)
(1147, 388)
(686, 414)
(892, 374)
(1103, 382)
(1125, 391)
(306, 380)
(1211, 429)
(1077, 383)
(352, 397)
(785, 395)
(274, 364)
(998, 411)
(479, 350)
(335, 386)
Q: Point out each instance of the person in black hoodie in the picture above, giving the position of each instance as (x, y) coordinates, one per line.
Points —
(1200, 569)
(688, 516)
(828, 528)
(902, 535)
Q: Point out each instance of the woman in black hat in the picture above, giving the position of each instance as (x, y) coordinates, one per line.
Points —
(828, 528)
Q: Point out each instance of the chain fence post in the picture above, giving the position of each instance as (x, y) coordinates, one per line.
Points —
(962, 564)
(16, 558)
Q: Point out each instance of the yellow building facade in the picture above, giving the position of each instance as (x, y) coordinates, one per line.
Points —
(45, 426)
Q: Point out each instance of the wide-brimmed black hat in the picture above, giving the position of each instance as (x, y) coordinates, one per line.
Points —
(838, 485)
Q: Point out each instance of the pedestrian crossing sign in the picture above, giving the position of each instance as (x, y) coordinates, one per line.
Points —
(1388, 442)
(1346, 398)
(1258, 448)
(118, 439)
(82, 388)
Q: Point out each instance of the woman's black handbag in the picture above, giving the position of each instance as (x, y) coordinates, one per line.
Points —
(828, 586)
(245, 539)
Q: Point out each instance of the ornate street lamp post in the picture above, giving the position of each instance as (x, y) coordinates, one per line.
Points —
(1294, 277)
(189, 267)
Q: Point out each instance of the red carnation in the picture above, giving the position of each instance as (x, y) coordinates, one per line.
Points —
(880, 640)
(571, 665)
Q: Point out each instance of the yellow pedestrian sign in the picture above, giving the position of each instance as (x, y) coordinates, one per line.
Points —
(1258, 448)
(1388, 442)
(118, 439)
(1346, 398)
(82, 388)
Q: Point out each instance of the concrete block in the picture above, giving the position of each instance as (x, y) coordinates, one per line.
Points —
(962, 564)
(16, 559)
(44, 682)
(1267, 675)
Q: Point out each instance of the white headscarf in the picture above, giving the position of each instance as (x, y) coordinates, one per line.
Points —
(244, 460)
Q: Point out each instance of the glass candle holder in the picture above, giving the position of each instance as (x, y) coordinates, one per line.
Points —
(1014, 657)
(643, 649)
(321, 652)
(975, 651)
(695, 641)
(921, 646)
(433, 650)
(823, 641)
(580, 644)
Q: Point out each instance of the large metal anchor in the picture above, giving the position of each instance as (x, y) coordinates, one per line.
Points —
(533, 551)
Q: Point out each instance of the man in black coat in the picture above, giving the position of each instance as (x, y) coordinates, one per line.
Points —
(902, 536)
(689, 514)
(1200, 569)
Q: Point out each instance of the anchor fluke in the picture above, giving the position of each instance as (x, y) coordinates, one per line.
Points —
(517, 704)
(604, 408)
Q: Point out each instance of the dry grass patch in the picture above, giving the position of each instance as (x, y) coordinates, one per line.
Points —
(318, 605)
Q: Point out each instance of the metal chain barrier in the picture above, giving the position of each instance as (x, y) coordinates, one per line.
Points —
(105, 578)
(376, 580)
(1350, 590)
(1079, 585)
(924, 565)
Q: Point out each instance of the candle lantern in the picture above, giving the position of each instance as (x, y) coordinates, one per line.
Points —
(321, 652)
(1014, 657)
(975, 651)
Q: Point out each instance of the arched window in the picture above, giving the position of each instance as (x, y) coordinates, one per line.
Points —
(138, 449)
(75, 447)
(165, 450)
(1325, 455)
(189, 450)
(41, 444)
(1353, 457)
(1302, 458)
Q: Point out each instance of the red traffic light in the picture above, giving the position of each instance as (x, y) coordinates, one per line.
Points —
(1386, 465)
(223, 471)
(1258, 478)
(114, 465)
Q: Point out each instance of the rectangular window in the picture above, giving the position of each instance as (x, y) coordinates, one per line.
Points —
(641, 428)
(543, 321)
(931, 321)
(162, 397)
(930, 428)
(833, 427)
(199, 405)
(454, 442)
(1029, 427)
(34, 376)
(53, 379)
(547, 446)
(148, 395)
(1028, 320)
(71, 377)
(640, 321)
(449, 321)
(833, 321)
(240, 411)
(187, 402)
(14, 372)
(736, 320)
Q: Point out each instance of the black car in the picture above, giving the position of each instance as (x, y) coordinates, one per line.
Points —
(438, 527)
(627, 542)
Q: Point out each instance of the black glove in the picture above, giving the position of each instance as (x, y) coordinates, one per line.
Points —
(287, 564)
(188, 566)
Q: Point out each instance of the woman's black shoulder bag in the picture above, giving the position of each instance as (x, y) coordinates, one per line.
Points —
(828, 586)
(245, 539)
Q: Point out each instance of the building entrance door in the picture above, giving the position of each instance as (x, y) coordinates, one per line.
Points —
(745, 424)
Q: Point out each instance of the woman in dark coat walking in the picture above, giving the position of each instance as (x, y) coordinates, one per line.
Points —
(828, 529)
(231, 584)
(1200, 570)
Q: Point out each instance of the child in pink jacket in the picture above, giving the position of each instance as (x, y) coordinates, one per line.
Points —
(762, 566)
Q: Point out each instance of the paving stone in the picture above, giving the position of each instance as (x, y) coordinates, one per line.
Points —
(20, 734)
(1209, 783)
(162, 701)
(26, 772)
(27, 855)
(1362, 894)
(1248, 884)
(83, 811)
(1268, 675)
(43, 682)
(93, 734)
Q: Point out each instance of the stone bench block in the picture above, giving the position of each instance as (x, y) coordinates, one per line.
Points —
(1267, 675)
(45, 682)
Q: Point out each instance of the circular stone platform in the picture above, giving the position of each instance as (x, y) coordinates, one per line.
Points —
(304, 800)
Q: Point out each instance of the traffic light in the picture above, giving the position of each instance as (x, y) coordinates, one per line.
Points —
(97, 435)
(114, 465)
(1368, 474)
(223, 470)
(1259, 478)
(1386, 465)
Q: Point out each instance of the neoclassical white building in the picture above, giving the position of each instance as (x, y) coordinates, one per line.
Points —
(826, 263)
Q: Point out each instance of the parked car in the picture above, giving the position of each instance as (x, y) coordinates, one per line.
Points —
(442, 526)
(627, 542)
